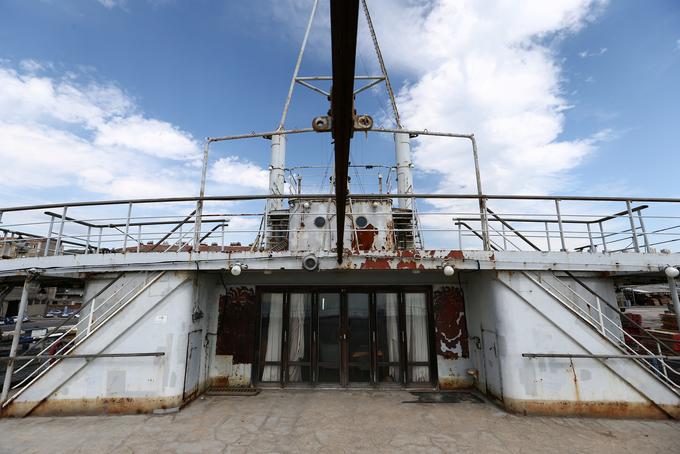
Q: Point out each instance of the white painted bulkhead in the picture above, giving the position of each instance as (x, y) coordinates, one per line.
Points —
(509, 315)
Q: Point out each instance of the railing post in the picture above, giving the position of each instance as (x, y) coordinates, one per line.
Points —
(559, 223)
(604, 241)
(223, 237)
(4, 244)
(547, 235)
(49, 237)
(139, 237)
(674, 294)
(23, 303)
(590, 238)
(127, 228)
(87, 241)
(505, 240)
(460, 236)
(644, 231)
(61, 230)
(99, 240)
(91, 316)
(633, 229)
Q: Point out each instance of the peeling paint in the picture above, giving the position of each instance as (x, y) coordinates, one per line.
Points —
(450, 325)
(236, 324)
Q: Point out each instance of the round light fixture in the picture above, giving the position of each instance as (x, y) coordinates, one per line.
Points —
(306, 205)
(449, 270)
(671, 272)
(236, 270)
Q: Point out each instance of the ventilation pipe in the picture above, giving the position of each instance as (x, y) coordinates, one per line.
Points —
(402, 145)
(276, 176)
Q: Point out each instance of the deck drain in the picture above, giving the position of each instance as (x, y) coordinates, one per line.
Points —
(452, 397)
(231, 391)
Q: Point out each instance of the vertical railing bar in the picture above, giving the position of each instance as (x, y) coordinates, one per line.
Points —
(87, 241)
(559, 223)
(590, 238)
(139, 237)
(633, 229)
(547, 236)
(460, 236)
(644, 231)
(127, 228)
(222, 237)
(99, 240)
(61, 230)
(604, 240)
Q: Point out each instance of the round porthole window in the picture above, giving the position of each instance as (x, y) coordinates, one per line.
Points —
(361, 222)
(319, 222)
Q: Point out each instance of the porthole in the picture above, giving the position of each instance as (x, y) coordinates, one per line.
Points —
(361, 222)
(319, 221)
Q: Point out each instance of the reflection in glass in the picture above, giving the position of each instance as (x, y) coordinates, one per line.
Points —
(387, 337)
(359, 339)
(299, 334)
(416, 336)
(270, 342)
(329, 346)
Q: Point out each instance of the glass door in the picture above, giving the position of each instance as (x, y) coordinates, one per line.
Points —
(358, 339)
(329, 338)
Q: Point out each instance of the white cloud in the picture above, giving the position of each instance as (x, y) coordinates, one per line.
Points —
(677, 44)
(110, 4)
(594, 53)
(60, 133)
(239, 173)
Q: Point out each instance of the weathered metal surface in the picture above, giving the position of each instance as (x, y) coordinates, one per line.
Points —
(236, 325)
(451, 338)
(604, 409)
(98, 406)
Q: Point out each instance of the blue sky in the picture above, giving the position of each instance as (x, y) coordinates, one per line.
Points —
(572, 97)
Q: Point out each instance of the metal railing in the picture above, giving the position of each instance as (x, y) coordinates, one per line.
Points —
(586, 224)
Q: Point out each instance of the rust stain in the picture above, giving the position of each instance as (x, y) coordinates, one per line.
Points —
(447, 383)
(375, 264)
(97, 406)
(595, 409)
(573, 371)
(455, 255)
(451, 337)
(365, 237)
(236, 324)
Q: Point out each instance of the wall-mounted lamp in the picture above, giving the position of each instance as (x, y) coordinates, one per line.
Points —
(449, 270)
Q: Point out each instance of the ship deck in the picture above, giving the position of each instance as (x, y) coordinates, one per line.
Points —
(335, 421)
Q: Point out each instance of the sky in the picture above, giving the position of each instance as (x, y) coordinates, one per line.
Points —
(108, 99)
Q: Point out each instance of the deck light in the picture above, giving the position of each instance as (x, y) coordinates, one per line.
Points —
(671, 272)
(236, 270)
(449, 270)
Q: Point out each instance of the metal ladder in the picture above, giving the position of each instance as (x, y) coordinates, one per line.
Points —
(91, 317)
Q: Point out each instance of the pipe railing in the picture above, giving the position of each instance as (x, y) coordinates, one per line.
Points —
(576, 223)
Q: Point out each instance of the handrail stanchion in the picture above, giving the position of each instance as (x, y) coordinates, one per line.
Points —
(559, 223)
(139, 238)
(547, 236)
(99, 240)
(604, 241)
(49, 237)
(127, 228)
(644, 231)
(590, 238)
(223, 237)
(87, 240)
(61, 231)
(633, 229)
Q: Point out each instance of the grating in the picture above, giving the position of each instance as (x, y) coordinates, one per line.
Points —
(231, 391)
(450, 397)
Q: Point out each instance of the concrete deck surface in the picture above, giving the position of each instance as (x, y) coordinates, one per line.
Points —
(335, 421)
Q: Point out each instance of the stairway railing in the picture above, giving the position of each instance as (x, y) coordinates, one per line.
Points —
(95, 316)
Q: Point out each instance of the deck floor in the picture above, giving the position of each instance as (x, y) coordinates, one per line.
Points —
(335, 421)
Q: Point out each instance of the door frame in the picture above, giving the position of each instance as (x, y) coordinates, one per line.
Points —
(371, 290)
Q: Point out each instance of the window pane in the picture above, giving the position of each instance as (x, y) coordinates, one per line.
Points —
(299, 335)
(270, 336)
(359, 338)
(416, 336)
(387, 337)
